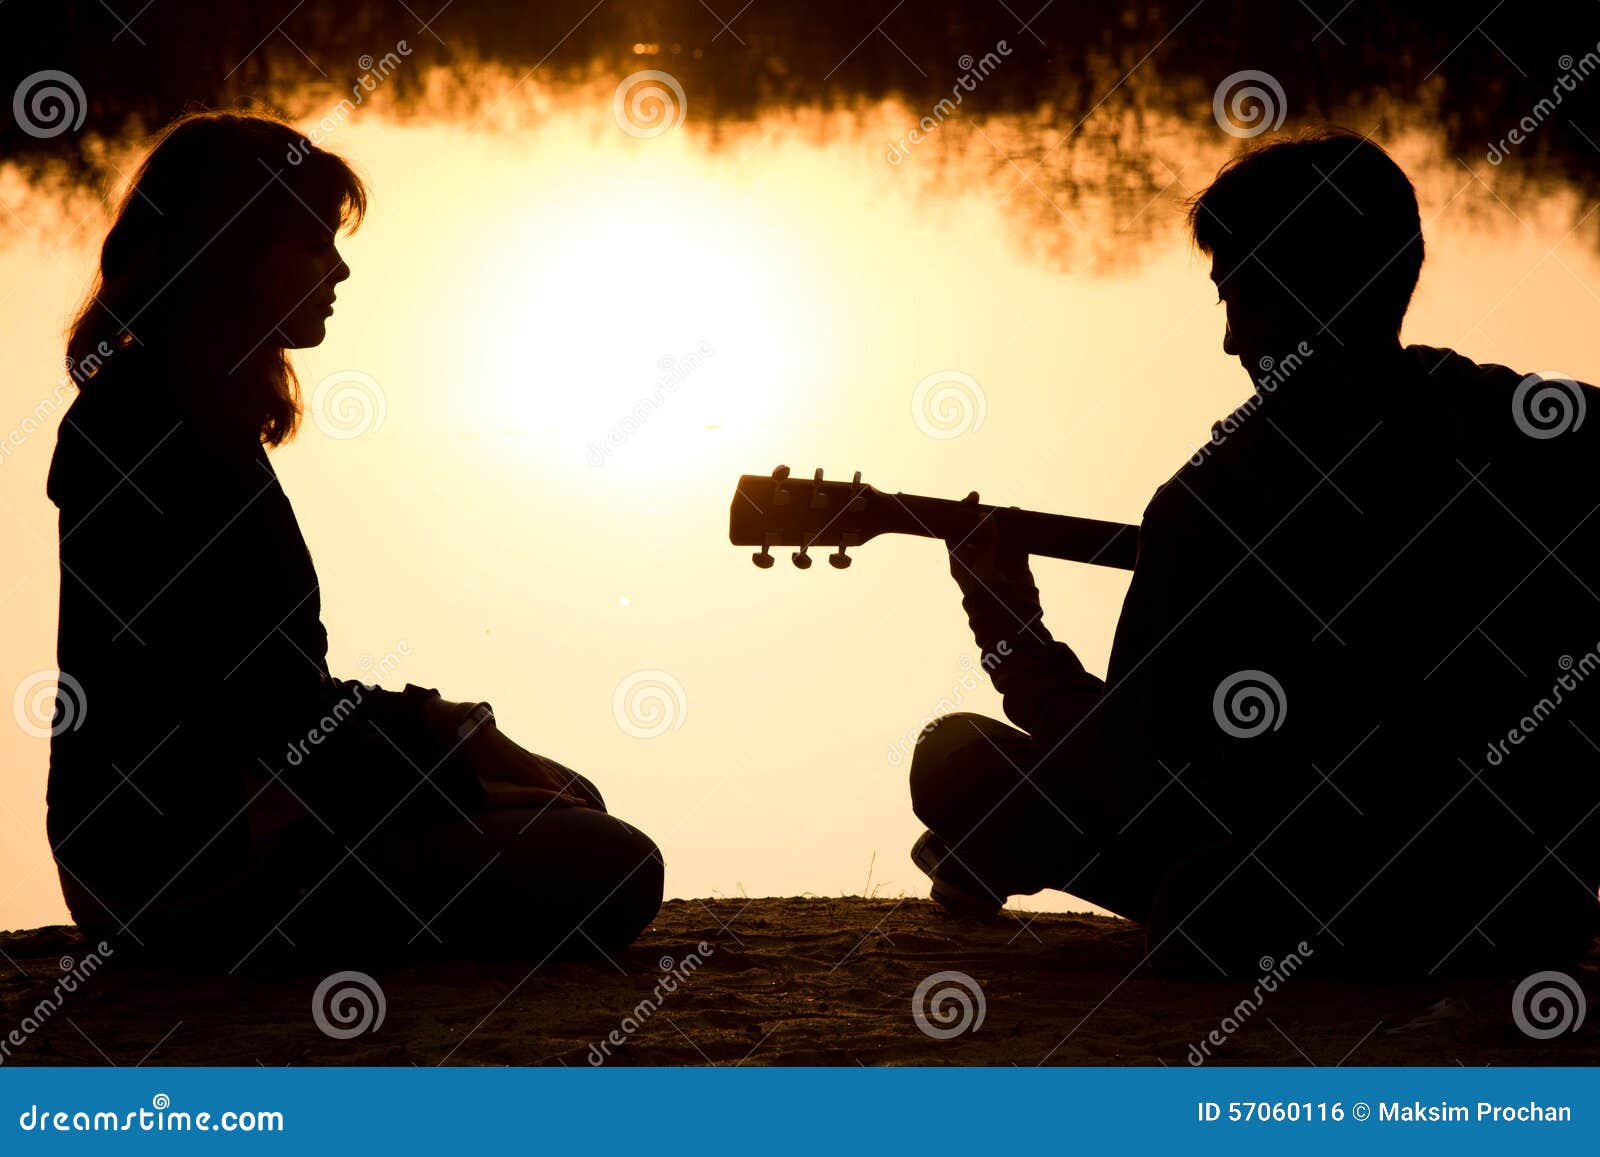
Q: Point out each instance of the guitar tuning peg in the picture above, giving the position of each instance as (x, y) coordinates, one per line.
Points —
(763, 558)
(801, 558)
(839, 560)
(856, 481)
(780, 496)
(818, 498)
(779, 473)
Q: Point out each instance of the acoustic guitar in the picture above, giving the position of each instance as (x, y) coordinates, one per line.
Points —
(777, 510)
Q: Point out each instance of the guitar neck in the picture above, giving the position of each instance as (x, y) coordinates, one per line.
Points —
(1087, 540)
(813, 514)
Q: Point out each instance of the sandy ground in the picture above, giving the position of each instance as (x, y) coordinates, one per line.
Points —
(787, 982)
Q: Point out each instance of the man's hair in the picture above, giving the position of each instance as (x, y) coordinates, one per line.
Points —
(1326, 218)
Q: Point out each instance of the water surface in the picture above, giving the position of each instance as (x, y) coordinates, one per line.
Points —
(567, 335)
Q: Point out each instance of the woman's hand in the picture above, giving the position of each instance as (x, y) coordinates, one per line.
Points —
(512, 776)
(500, 796)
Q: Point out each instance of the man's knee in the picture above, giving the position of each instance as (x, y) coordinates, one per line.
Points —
(952, 756)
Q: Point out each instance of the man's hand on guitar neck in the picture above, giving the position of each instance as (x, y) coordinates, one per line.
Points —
(997, 588)
(1044, 686)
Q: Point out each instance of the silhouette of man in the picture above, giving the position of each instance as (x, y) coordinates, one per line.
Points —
(1351, 708)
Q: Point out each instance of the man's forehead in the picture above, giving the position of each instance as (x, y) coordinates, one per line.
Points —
(1228, 272)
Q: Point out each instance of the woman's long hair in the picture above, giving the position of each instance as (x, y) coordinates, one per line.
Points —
(217, 190)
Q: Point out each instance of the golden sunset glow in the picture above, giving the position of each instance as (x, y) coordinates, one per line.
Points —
(582, 338)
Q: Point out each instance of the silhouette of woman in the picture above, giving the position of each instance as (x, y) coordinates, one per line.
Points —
(218, 793)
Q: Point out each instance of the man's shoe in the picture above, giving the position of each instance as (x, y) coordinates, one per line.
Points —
(953, 885)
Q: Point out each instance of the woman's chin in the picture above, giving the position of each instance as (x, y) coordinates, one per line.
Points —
(305, 335)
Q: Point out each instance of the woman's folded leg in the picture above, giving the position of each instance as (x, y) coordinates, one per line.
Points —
(531, 882)
(568, 880)
(525, 882)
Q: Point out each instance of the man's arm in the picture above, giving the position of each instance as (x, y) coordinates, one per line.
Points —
(1045, 688)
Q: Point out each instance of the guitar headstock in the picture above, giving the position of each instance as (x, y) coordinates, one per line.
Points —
(778, 510)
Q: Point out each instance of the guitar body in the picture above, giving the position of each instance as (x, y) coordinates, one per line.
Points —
(776, 510)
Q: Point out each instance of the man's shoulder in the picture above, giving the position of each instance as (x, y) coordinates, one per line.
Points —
(1499, 409)
(1486, 383)
(1228, 458)
(1434, 405)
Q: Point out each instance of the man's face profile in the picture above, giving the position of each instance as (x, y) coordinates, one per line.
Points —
(1260, 324)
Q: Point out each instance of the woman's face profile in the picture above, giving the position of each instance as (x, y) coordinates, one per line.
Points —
(295, 286)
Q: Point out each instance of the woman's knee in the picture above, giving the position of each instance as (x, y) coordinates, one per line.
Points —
(544, 876)
(591, 872)
(633, 880)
